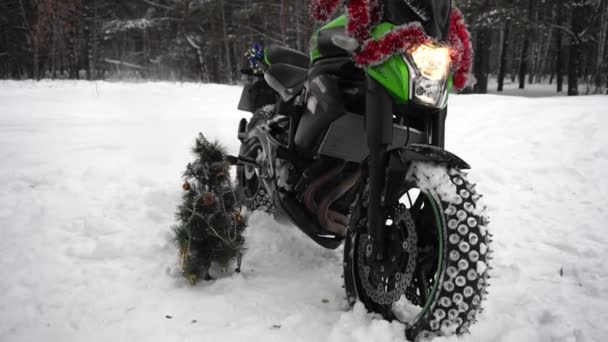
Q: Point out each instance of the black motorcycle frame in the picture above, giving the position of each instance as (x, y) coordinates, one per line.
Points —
(391, 147)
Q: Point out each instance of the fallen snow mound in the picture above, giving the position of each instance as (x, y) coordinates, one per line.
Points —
(90, 179)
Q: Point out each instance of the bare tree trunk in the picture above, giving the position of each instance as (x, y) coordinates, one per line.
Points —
(54, 39)
(523, 63)
(29, 31)
(204, 77)
(544, 55)
(503, 55)
(574, 60)
(600, 63)
(228, 61)
(534, 40)
(559, 63)
(146, 46)
(36, 58)
(532, 61)
(93, 45)
(513, 64)
(482, 60)
(235, 47)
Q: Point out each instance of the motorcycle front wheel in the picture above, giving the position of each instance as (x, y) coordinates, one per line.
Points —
(435, 275)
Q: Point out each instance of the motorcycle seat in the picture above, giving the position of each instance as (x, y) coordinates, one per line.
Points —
(280, 54)
(286, 79)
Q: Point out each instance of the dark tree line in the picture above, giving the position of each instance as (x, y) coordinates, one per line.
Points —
(528, 41)
(522, 41)
(157, 39)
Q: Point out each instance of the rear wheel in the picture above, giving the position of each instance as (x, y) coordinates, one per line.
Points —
(436, 272)
(249, 184)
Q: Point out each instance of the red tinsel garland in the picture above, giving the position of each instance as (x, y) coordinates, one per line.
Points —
(398, 40)
(364, 14)
(321, 10)
(462, 51)
(377, 10)
(359, 15)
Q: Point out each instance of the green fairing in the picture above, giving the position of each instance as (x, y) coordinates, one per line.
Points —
(266, 60)
(393, 74)
(314, 52)
(339, 21)
(450, 84)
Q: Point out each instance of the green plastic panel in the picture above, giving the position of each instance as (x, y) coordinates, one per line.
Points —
(339, 21)
(314, 51)
(393, 74)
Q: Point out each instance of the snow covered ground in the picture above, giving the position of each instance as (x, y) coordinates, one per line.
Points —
(90, 178)
(543, 89)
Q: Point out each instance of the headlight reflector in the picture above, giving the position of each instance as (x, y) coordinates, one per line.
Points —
(429, 91)
(432, 68)
(433, 62)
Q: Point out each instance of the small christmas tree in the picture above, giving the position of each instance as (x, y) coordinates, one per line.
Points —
(210, 228)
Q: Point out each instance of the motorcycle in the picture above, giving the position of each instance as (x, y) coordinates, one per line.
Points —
(355, 156)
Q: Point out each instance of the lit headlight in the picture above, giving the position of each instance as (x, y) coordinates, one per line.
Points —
(432, 65)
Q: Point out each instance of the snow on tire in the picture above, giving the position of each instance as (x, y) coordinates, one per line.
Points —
(464, 276)
(261, 201)
(462, 251)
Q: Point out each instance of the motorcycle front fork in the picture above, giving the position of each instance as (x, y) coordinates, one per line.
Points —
(379, 130)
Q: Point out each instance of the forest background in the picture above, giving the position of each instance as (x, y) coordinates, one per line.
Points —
(515, 41)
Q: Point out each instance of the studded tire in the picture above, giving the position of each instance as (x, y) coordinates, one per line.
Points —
(250, 189)
(461, 274)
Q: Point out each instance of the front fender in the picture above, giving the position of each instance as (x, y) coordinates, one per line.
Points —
(430, 153)
(400, 159)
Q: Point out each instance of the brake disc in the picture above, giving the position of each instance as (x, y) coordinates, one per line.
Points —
(388, 287)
